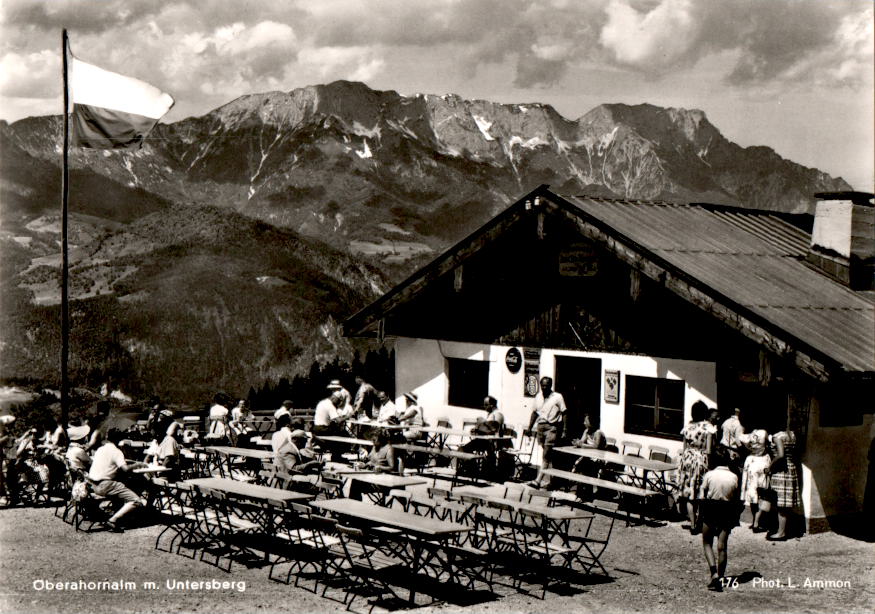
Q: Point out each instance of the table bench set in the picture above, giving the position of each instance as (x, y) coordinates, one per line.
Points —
(395, 544)
(351, 533)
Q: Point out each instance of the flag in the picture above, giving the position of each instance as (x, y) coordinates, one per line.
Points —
(112, 111)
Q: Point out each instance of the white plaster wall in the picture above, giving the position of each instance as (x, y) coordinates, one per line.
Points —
(420, 366)
(835, 466)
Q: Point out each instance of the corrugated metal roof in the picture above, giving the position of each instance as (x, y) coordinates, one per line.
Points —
(756, 260)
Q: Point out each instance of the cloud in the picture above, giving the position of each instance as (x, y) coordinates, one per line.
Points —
(657, 38)
(29, 75)
(204, 50)
(331, 63)
(779, 41)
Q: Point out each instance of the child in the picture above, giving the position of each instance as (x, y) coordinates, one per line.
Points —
(719, 511)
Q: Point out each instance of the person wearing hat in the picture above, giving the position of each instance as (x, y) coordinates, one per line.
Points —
(412, 417)
(77, 458)
(285, 409)
(346, 408)
(288, 446)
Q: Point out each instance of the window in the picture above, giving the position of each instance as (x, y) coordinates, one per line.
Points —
(469, 382)
(655, 406)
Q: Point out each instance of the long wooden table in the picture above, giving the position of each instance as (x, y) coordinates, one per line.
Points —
(383, 483)
(429, 529)
(352, 441)
(397, 519)
(252, 491)
(245, 452)
(623, 489)
(646, 465)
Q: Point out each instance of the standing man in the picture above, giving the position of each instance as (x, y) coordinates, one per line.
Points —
(108, 461)
(547, 423)
(365, 398)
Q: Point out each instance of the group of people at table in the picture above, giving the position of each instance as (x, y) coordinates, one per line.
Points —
(372, 414)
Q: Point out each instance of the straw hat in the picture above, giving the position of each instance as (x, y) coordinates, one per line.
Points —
(299, 434)
(334, 384)
(411, 396)
(77, 433)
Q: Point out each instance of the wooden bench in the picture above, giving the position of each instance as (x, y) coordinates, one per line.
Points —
(618, 487)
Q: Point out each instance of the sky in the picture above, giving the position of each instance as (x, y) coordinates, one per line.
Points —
(795, 75)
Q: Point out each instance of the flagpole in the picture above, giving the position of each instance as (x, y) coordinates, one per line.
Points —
(65, 307)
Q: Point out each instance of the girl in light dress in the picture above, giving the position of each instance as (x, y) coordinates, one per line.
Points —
(754, 477)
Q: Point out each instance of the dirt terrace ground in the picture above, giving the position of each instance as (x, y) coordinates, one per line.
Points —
(654, 569)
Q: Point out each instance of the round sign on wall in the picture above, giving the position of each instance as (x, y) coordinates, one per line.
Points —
(514, 360)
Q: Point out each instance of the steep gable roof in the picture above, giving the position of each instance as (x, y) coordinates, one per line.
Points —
(745, 266)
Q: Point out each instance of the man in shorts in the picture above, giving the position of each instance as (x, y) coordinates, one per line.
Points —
(107, 462)
(547, 423)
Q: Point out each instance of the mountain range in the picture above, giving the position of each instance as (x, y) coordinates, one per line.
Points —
(226, 250)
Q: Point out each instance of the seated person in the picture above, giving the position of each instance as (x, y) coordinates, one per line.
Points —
(241, 424)
(386, 408)
(285, 408)
(218, 420)
(167, 453)
(412, 417)
(592, 436)
(595, 439)
(491, 424)
(77, 458)
(108, 462)
(382, 457)
(288, 446)
(327, 419)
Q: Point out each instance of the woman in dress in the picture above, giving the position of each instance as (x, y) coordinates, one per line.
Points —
(699, 437)
(784, 480)
(754, 479)
(168, 452)
(382, 456)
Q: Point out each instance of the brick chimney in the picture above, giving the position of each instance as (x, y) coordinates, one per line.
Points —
(843, 238)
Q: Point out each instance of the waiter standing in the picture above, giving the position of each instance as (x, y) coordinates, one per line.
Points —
(548, 422)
